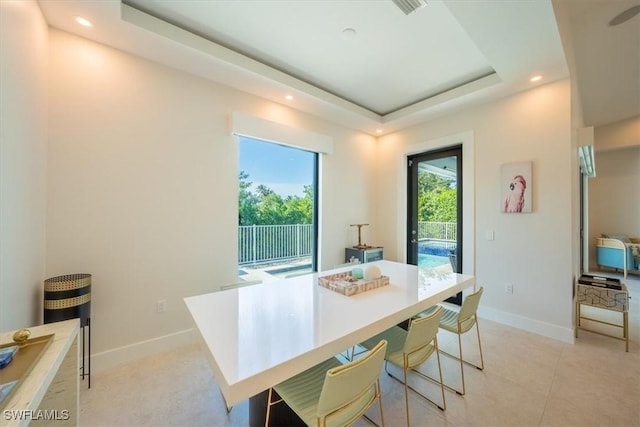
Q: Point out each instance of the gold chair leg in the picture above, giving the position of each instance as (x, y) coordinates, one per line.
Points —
(380, 401)
(379, 397)
(426, 377)
(226, 406)
(625, 321)
(406, 396)
(266, 419)
(269, 405)
(479, 346)
(444, 402)
(461, 359)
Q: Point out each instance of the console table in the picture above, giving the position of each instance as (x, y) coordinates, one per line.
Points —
(603, 293)
(49, 392)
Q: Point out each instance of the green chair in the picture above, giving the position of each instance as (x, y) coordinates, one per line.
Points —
(410, 349)
(460, 322)
(332, 394)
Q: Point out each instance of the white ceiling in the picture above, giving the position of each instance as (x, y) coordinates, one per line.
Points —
(395, 71)
(607, 59)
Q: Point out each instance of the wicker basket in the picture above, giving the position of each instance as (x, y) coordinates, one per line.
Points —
(346, 284)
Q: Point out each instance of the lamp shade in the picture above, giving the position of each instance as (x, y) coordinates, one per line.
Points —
(67, 297)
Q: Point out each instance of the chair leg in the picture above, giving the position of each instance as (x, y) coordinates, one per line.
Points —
(266, 420)
(269, 405)
(379, 397)
(461, 359)
(406, 396)
(425, 376)
(226, 406)
(481, 367)
(379, 390)
(444, 402)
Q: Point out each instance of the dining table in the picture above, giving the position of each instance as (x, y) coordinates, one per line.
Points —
(260, 335)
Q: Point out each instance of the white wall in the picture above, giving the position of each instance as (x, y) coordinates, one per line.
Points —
(23, 162)
(143, 186)
(621, 134)
(533, 251)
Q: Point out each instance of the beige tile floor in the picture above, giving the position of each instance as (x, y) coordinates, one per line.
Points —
(529, 380)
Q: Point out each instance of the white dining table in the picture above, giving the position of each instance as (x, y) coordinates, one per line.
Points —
(258, 336)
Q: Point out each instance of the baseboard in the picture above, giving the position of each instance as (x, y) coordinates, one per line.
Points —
(530, 325)
(110, 358)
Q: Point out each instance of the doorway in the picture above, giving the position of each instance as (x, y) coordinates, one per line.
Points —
(434, 211)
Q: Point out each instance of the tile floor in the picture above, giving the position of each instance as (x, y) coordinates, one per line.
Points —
(529, 380)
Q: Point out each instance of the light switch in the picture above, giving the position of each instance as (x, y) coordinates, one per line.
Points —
(489, 235)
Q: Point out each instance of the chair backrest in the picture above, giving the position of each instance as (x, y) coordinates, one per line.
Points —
(240, 284)
(466, 316)
(422, 332)
(350, 389)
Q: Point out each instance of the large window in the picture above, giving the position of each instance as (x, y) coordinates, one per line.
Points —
(277, 210)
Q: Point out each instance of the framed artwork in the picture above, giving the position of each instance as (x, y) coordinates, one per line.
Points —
(516, 187)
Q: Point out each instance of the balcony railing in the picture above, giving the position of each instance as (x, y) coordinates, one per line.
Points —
(269, 243)
(438, 230)
(258, 244)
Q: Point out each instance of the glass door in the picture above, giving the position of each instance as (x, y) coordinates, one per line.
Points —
(434, 222)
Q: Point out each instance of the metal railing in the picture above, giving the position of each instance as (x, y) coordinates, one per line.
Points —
(267, 243)
(437, 230)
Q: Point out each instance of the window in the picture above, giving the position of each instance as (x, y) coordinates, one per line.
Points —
(277, 210)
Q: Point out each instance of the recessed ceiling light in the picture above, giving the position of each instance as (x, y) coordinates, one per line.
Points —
(535, 78)
(378, 130)
(288, 97)
(83, 21)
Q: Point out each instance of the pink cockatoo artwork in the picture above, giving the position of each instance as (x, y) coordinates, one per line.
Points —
(514, 202)
(516, 183)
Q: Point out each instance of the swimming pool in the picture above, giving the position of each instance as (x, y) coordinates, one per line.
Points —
(432, 261)
(441, 248)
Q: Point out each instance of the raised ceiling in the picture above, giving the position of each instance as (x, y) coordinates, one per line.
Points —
(369, 53)
(363, 64)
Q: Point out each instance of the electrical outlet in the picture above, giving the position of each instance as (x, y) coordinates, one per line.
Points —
(508, 288)
(161, 306)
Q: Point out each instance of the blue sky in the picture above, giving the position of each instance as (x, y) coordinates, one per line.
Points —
(285, 170)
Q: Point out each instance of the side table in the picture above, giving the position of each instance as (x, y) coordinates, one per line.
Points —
(368, 254)
(607, 294)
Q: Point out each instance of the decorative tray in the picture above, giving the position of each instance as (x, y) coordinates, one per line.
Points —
(348, 285)
(23, 361)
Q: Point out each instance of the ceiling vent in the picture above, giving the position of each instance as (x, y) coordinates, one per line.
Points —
(408, 6)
